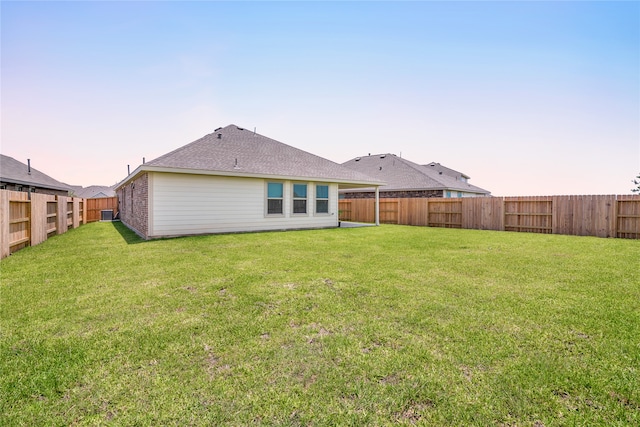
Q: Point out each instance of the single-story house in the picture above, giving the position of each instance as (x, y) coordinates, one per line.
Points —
(234, 180)
(17, 176)
(405, 179)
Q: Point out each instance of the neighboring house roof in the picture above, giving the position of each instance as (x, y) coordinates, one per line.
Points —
(93, 191)
(234, 151)
(402, 174)
(447, 171)
(15, 172)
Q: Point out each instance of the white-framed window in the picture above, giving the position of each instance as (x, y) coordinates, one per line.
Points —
(299, 198)
(275, 198)
(322, 199)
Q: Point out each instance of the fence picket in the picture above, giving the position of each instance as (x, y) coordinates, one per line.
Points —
(28, 219)
(600, 216)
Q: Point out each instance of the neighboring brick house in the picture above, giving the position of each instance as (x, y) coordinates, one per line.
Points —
(17, 176)
(234, 180)
(406, 179)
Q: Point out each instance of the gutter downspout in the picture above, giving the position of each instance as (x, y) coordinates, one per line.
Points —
(377, 205)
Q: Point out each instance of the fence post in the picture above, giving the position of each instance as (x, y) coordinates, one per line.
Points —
(4, 224)
(76, 212)
(61, 210)
(377, 202)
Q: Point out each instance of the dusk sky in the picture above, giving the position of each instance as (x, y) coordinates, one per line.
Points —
(527, 98)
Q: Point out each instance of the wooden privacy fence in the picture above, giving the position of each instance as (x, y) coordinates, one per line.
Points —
(601, 216)
(96, 206)
(28, 219)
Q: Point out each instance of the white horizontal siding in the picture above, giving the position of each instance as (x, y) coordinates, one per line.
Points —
(198, 204)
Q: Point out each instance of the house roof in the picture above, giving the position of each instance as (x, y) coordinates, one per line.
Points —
(234, 151)
(401, 174)
(446, 171)
(15, 172)
(93, 191)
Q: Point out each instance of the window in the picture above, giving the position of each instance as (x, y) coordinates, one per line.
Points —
(299, 198)
(274, 198)
(322, 199)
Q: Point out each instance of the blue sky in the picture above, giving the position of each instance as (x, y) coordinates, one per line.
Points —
(528, 98)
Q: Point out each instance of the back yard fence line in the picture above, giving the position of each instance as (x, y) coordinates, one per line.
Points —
(28, 219)
(601, 216)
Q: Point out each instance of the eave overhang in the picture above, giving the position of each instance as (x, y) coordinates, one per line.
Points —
(342, 183)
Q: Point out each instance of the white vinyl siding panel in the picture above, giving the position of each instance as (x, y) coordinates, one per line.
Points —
(185, 204)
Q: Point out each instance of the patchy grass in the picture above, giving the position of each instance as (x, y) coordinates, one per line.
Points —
(369, 326)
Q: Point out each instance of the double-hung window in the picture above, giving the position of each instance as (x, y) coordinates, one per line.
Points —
(275, 197)
(299, 198)
(322, 199)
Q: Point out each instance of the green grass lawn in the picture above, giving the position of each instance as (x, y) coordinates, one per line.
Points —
(367, 326)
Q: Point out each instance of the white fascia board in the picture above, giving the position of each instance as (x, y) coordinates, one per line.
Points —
(143, 168)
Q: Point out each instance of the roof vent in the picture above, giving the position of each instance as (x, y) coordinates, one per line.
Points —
(383, 156)
(219, 136)
(217, 129)
(357, 159)
(239, 128)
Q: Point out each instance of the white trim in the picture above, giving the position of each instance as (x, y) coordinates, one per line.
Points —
(294, 198)
(266, 198)
(145, 168)
(315, 198)
(150, 223)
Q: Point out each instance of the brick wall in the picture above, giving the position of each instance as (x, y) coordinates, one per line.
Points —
(394, 194)
(133, 201)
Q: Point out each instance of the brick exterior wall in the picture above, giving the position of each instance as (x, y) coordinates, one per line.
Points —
(393, 194)
(133, 205)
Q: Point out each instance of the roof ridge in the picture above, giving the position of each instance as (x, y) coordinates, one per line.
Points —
(421, 169)
(285, 144)
(236, 150)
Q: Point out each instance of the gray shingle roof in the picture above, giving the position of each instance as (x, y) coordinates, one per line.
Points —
(402, 174)
(15, 172)
(238, 151)
(93, 191)
(445, 170)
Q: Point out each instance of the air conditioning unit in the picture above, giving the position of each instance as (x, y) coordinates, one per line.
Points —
(106, 215)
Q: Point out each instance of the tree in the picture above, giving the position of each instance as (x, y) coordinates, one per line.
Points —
(636, 182)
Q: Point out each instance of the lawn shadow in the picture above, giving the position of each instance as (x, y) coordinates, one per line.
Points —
(129, 236)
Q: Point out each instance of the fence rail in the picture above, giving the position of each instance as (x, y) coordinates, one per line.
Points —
(28, 219)
(601, 216)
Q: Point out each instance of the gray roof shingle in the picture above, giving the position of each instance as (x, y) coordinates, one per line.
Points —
(93, 191)
(15, 172)
(402, 174)
(445, 170)
(238, 151)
